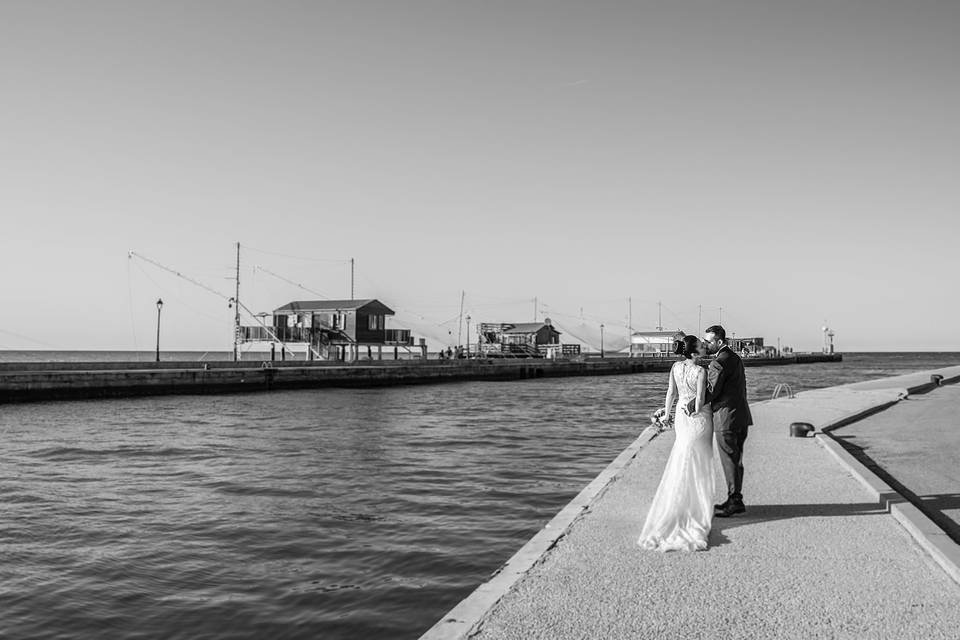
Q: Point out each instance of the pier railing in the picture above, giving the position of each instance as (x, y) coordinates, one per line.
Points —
(522, 350)
(265, 334)
(392, 337)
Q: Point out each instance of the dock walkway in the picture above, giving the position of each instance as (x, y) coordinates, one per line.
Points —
(816, 556)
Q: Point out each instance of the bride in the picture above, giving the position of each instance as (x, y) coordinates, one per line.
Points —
(682, 509)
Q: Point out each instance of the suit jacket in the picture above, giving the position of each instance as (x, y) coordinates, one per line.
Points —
(727, 392)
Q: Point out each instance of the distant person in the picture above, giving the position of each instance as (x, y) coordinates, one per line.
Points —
(727, 394)
(449, 353)
(682, 511)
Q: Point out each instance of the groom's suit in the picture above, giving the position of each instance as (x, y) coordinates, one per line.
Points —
(727, 394)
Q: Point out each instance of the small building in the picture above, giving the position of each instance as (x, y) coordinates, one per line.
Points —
(658, 344)
(333, 329)
(747, 346)
(521, 339)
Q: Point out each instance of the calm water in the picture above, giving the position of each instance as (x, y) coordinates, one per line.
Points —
(307, 514)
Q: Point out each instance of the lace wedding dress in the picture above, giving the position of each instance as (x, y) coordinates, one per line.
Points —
(682, 511)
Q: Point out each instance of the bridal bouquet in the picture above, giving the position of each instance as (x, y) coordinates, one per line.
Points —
(657, 420)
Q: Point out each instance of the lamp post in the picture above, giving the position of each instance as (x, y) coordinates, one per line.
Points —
(468, 335)
(159, 307)
(601, 340)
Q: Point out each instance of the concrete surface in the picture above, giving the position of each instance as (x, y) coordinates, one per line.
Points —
(934, 540)
(917, 382)
(816, 556)
(917, 444)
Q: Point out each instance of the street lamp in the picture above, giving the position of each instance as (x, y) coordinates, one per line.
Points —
(159, 307)
(468, 335)
(601, 340)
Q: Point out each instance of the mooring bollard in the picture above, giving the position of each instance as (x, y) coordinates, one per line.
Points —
(800, 429)
(936, 379)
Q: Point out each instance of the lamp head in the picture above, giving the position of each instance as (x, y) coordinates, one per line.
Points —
(159, 304)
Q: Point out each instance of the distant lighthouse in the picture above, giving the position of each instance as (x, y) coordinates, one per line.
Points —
(827, 340)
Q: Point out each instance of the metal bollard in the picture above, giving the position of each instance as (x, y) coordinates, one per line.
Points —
(800, 429)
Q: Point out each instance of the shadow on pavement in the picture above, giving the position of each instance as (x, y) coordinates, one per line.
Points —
(933, 506)
(716, 539)
(770, 512)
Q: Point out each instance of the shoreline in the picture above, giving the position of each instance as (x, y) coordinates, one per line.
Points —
(44, 381)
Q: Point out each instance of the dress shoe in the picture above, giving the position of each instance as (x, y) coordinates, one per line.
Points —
(732, 509)
(723, 505)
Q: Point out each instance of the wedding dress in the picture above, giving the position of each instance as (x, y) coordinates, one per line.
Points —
(682, 511)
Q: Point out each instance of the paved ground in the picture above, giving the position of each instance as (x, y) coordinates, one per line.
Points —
(917, 442)
(812, 559)
(904, 381)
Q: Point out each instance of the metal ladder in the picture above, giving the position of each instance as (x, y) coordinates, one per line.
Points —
(784, 388)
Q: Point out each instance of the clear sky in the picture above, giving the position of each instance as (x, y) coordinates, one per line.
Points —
(794, 163)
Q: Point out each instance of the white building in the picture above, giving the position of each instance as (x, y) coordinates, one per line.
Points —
(654, 343)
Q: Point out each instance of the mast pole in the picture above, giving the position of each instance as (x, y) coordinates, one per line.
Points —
(659, 316)
(197, 283)
(535, 301)
(351, 277)
(236, 311)
(460, 321)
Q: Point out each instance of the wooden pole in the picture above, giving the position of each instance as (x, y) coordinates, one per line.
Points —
(463, 294)
(236, 311)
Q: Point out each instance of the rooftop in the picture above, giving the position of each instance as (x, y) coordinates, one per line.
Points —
(528, 327)
(333, 305)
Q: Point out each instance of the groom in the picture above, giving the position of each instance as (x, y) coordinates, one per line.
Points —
(727, 395)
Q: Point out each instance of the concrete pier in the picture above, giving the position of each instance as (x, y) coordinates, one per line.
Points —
(915, 448)
(826, 550)
(23, 382)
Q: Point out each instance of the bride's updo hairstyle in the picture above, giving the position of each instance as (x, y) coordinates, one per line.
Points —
(686, 347)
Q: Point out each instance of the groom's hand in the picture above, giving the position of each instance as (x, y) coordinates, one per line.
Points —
(692, 407)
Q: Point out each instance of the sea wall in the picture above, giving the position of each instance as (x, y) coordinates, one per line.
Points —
(25, 382)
